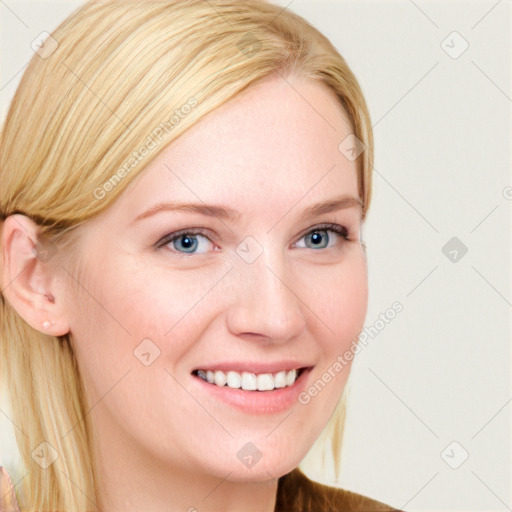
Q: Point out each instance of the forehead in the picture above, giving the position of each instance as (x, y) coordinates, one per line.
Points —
(276, 143)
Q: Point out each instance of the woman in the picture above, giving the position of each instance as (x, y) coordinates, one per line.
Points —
(183, 189)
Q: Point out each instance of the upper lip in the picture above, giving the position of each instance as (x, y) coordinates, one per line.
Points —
(254, 367)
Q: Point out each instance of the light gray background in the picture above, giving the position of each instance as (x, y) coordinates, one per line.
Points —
(440, 371)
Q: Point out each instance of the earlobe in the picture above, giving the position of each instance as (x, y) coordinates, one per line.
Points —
(29, 281)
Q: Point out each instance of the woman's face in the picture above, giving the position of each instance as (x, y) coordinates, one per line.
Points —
(265, 288)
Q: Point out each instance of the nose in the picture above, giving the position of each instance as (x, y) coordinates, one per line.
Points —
(266, 301)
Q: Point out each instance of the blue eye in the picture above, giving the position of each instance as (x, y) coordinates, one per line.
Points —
(320, 238)
(189, 242)
(186, 242)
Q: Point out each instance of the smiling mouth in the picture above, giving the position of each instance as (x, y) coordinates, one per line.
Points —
(248, 381)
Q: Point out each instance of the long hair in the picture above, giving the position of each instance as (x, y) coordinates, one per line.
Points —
(113, 85)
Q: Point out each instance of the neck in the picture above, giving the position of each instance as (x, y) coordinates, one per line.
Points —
(131, 481)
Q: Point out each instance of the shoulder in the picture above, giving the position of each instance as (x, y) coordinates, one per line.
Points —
(297, 493)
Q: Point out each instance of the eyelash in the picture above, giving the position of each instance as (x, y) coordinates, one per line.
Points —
(168, 239)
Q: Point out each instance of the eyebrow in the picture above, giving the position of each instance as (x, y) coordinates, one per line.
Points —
(226, 213)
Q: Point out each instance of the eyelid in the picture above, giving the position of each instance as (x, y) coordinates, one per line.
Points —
(169, 237)
(340, 229)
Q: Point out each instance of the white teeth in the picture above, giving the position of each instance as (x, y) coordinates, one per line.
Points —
(220, 378)
(280, 380)
(290, 377)
(265, 382)
(249, 381)
(234, 380)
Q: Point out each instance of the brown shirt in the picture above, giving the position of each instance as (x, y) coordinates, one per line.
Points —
(297, 493)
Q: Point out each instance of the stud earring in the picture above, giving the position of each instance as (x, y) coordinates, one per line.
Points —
(46, 324)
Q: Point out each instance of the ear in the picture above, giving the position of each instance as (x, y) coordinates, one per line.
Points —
(28, 278)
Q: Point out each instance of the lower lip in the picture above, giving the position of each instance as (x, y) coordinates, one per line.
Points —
(257, 402)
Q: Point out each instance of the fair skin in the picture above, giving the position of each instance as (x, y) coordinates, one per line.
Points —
(164, 438)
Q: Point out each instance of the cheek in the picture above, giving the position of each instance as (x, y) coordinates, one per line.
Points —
(160, 302)
(134, 308)
(342, 309)
(353, 301)
(341, 303)
(129, 316)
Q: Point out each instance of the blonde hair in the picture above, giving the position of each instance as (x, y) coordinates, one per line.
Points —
(74, 138)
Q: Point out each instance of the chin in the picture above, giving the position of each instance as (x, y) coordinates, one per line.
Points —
(261, 471)
(262, 460)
